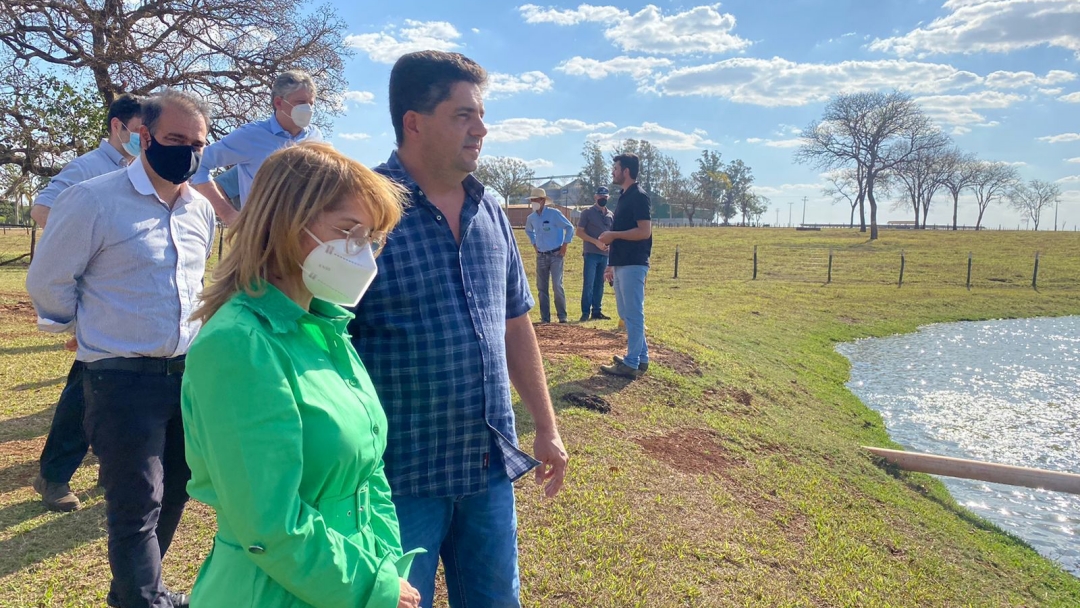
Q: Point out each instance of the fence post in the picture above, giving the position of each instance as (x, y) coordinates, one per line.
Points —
(755, 262)
(33, 240)
(676, 261)
(221, 240)
(901, 282)
(1035, 277)
(829, 280)
(969, 272)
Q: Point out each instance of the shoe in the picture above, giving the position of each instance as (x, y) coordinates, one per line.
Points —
(56, 496)
(620, 369)
(600, 317)
(583, 318)
(179, 600)
(642, 367)
(563, 320)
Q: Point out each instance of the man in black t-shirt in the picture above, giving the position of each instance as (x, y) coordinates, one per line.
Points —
(630, 243)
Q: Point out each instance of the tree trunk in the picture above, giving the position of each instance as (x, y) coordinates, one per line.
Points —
(851, 224)
(955, 207)
(978, 222)
(873, 207)
(862, 213)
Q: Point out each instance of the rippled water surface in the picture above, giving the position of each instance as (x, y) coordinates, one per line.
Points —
(999, 391)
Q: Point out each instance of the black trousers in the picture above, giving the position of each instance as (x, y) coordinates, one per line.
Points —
(66, 445)
(133, 423)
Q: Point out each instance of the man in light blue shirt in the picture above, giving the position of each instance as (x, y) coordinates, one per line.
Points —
(114, 153)
(66, 445)
(293, 94)
(550, 233)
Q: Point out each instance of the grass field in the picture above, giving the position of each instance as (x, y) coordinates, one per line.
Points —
(730, 476)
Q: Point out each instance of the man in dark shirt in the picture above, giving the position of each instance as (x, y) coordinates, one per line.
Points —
(593, 222)
(630, 242)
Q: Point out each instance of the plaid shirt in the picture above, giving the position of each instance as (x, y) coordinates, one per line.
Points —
(431, 332)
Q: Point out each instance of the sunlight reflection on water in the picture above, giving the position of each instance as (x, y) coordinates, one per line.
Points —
(999, 391)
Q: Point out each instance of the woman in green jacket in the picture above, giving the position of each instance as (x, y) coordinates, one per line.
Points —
(284, 432)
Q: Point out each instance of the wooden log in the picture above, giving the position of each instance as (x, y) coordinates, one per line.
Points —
(982, 471)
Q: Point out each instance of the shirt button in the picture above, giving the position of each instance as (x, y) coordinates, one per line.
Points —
(469, 295)
(354, 382)
(438, 217)
(376, 429)
(256, 550)
(481, 336)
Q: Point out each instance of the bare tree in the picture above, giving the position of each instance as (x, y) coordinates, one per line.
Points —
(848, 185)
(226, 51)
(505, 175)
(1034, 197)
(959, 177)
(991, 181)
(924, 172)
(874, 131)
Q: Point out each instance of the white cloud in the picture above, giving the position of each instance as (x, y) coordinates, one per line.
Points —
(1061, 139)
(661, 137)
(637, 67)
(359, 97)
(476, 30)
(786, 189)
(390, 44)
(1016, 80)
(957, 131)
(505, 85)
(994, 26)
(776, 143)
(1071, 179)
(1073, 160)
(779, 82)
(1071, 97)
(522, 129)
(534, 164)
(702, 29)
(353, 136)
(960, 109)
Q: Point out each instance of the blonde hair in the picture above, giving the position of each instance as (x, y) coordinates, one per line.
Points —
(291, 189)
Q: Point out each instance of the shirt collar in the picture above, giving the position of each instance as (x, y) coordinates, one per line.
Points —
(397, 172)
(283, 314)
(277, 129)
(112, 153)
(136, 172)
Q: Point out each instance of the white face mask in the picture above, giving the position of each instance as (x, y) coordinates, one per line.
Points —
(333, 276)
(301, 114)
(535, 206)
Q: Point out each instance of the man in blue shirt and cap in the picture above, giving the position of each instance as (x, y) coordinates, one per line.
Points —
(550, 233)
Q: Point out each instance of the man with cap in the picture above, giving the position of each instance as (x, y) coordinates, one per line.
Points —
(593, 222)
(550, 233)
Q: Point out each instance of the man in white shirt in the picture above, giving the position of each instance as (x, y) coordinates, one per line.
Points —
(125, 254)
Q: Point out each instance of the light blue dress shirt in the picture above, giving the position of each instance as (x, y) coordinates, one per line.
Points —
(247, 148)
(104, 159)
(548, 229)
(122, 266)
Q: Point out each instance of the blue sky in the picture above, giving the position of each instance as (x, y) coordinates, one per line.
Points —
(1002, 76)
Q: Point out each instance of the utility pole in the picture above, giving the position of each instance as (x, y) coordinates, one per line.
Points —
(777, 217)
(790, 206)
(804, 210)
(1055, 214)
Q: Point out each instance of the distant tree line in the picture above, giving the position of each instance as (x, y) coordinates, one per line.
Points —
(877, 146)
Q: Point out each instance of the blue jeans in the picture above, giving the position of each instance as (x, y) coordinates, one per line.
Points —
(475, 535)
(549, 268)
(630, 300)
(592, 290)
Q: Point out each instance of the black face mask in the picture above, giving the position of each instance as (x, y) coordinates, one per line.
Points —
(602, 202)
(174, 164)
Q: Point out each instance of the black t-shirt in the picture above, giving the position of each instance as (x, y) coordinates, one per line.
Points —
(634, 206)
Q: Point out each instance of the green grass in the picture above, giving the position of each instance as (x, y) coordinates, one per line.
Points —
(730, 476)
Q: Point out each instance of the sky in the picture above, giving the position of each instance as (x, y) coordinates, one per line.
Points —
(1002, 77)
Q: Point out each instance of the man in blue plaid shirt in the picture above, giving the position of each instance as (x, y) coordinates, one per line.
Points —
(444, 330)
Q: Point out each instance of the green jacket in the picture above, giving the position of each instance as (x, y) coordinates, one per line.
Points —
(284, 437)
